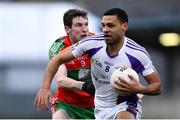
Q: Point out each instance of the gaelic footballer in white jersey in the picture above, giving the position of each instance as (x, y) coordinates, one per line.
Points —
(102, 65)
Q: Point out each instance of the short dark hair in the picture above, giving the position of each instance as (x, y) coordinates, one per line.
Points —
(71, 14)
(120, 13)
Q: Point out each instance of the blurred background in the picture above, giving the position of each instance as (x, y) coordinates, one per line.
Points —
(29, 27)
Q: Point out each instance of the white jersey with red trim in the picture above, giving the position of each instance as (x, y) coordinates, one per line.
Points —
(102, 65)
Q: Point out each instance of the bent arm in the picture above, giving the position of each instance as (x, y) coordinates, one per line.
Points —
(66, 82)
(72, 84)
(154, 84)
(153, 87)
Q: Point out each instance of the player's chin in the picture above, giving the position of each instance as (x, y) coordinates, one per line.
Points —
(108, 41)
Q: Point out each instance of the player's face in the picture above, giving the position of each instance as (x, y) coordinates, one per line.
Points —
(113, 29)
(79, 29)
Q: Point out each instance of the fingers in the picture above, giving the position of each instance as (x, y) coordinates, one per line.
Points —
(45, 105)
(118, 81)
(38, 102)
(42, 99)
(90, 34)
(132, 78)
(123, 89)
(35, 103)
(123, 84)
(42, 103)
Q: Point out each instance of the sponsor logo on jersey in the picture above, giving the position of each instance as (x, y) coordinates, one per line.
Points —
(101, 81)
(98, 63)
(108, 63)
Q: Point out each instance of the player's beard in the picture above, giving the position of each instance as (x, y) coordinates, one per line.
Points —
(112, 40)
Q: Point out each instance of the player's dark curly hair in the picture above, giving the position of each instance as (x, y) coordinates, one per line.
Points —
(120, 13)
(71, 14)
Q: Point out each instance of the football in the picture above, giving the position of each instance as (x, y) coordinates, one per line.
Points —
(122, 72)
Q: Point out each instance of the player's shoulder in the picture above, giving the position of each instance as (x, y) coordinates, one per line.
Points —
(134, 49)
(60, 40)
(56, 46)
(133, 44)
(94, 40)
(97, 37)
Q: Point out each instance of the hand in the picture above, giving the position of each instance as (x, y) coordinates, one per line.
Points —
(89, 88)
(131, 86)
(42, 98)
(90, 34)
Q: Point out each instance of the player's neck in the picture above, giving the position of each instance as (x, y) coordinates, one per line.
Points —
(115, 48)
(72, 40)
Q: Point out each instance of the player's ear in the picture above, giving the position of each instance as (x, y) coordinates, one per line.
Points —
(67, 29)
(125, 26)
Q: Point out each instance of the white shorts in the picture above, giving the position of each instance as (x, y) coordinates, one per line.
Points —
(110, 113)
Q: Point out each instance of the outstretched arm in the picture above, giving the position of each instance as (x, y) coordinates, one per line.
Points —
(53, 65)
(44, 93)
